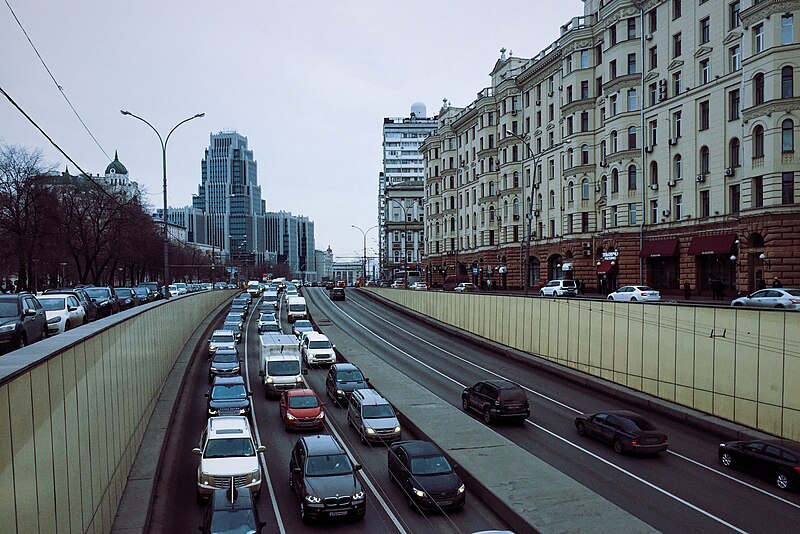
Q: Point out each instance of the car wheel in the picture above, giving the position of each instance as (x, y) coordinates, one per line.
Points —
(726, 459)
(779, 307)
(465, 403)
(22, 341)
(541, 293)
(782, 481)
(633, 299)
(619, 448)
(610, 297)
(487, 416)
(303, 515)
(411, 504)
(581, 429)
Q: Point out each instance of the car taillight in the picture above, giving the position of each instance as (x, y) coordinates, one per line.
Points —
(644, 293)
(635, 441)
(794, 301)
(797, 468)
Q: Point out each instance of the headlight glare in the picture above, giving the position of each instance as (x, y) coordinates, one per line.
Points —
(418, 493)
(313, 499)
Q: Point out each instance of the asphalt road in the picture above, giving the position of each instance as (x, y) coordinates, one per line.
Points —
(175, 508)
(683, 490)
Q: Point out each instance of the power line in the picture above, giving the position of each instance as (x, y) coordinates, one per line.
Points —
(60, 88)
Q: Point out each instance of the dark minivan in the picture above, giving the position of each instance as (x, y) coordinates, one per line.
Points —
(497, 400)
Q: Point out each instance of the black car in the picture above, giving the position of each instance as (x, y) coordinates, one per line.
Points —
(328, 285)
(324, 479)
(22, 321)
(625, 431)
(228, 396)
(337, 293)
(342, 380)
(231, 510)
(225, 362)
(155, 289)
(143, 294)
(84, 299)
(768, 459)
(427, 478)
(127, 298)
(497, 400)
(107, 303)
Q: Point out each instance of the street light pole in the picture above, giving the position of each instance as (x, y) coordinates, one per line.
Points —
(364, 262)
(164, 170)
(529, 215)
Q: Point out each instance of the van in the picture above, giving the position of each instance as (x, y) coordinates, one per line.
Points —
(253, 288)
(280, 365)
(372, 416)
(271, 298)
(296, 309)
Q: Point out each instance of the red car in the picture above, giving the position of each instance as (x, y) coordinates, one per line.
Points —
(301, 409)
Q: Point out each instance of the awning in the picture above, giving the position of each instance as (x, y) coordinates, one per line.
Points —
(567, 266)
(654, 248)
(711, 244)
(606, 266)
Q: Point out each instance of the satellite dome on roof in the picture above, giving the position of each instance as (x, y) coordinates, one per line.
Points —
(115, 167)
(419, 110)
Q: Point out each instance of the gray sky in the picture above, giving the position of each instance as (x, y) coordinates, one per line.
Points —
(308, 82)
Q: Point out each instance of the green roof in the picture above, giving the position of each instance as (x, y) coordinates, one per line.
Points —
(115, 167)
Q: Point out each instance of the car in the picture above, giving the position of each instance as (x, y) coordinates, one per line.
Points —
(88, 306)
(225, 362)
(234, 318)
(63, 312)
(302, 325)
(465, 287)
(384, 283)
(328, 285)
(221, 339)
(342, 380)
(105, 300)
(231, 510)
(127, 298)
(143, 294)
(180, 289)
(240, 309)
(22, 321)
(266, 317)
(220, 285)
(559, 288)
(234, 326)
(398, 284)
(428, 480)
(324, 479)
(419, 286)
(268, 327)
(635, 294)
(497, 399)
(337, 293)
(300, 409)
(227, 452)
(371, 415)
(777, 461)
(154, 288)
(624, 430)
(228, 396)
(774, 297)
(316, 348)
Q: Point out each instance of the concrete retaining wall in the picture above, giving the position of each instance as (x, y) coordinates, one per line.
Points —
(737, 364)
(73, 409)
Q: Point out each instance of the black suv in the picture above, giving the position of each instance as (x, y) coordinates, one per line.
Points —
(107, 303)
(22, 321)
(228, 396)
(497, 400)
(322, 477)
(342, 380)
(337, 293)
(228, 509)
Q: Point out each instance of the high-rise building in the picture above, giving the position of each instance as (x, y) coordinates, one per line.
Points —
(292, 238)
(400, 188)
(324, 264)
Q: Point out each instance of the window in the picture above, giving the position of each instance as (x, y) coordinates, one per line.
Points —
(552, 199)
(705, 71)
(584, 154)
(598, 86)
(632, 214)
(604, 186)
(515, 209)
(677, 207)
(654, 211)
(653, 57)
(704, 160)
(568, 63)
(787, 29)
(705, 203)
(631, 63)
(733, 15)
(584, 121)
(584, 59)
(654, 173)
(632, 100)
(733, 105)
(704, 115)
(757, 194)
(677, 167)
(787, 188)
(585, 189)
(676, 9)
(632, 178)
(758, 141)
(615, 181)
(653, 132)
(631, 28)
(571, 192)
(787, 82)
(632, 138)
(569, 125)
(787, 136)
(735, 152)
(677, 83)
(652, 89)
(705, 30)
(758, 89)
(584, 89)
(758, 38)
(612, 35)
(612, 69)
(612, 105)
(734, 197)
(676, 124)
(735, 58)
(615, 216)
(676, 45)
(652, 21)
(613, 138)
(570, 158)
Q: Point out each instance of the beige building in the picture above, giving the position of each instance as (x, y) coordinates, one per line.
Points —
(647, 146)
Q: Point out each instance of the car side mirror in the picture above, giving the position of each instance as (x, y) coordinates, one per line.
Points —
(30, 313)
(357, 467)
(196, 451)
(260, 449)
(366, 380)
(296, 471)
(72, 308)
(305, 371)
(262, 373)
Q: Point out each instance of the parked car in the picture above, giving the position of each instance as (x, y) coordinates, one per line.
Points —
(228, 396)
(316, 348)
(371, 415)
(144, 294)
(154, 288)
(635, 294)
(225, 362)
(63, 312)
(465, 287)
(342, 380)
(497, 400)
(337, 293)
(127, 298)
(782, 298)
(451, 282)
(231, 510)
(300, 409)
(428, 480)
(22, 321)
(324, 479)
(88, 306)
(769, 459)
(559, 288)
(107, 303)
(300, 326)
(624, 430)
(399, 284)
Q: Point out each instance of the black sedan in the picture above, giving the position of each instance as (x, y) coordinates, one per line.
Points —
(625, 431)
(427, 478)
(769, 459)
(228, 396)
(225, 362)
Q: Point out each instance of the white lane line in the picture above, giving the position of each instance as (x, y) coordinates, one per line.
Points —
(695, 462)
(262, 456)
(578, 447)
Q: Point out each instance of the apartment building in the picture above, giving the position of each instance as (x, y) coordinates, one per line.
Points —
(646, 145)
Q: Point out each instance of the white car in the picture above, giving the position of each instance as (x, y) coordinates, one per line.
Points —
(776, 297)
(559, 288)
(63, 312)
(316, 348)
(419, 286)
(635, 294)
(465, 287)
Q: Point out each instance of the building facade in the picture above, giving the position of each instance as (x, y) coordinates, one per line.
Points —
(651, 145)
(349, 271)
(324, 264)
(292, 238)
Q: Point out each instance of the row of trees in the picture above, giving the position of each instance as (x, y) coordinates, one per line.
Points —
(61, 232)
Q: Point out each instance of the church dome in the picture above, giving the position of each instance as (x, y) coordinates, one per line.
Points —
(115, 167)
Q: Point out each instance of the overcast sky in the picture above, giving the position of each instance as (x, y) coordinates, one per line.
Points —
(307, 81)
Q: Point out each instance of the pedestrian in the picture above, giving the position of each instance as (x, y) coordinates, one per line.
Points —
(776, 282)
(489, 285)
(762, 284)
(687, 290)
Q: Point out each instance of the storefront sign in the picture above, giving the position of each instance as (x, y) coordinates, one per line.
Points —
(609, 256)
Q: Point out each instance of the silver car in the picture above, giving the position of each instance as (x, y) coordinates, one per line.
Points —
(635, 294)
(781, 298)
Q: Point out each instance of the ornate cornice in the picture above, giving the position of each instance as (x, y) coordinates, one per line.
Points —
(766, 8)
(702, 51)
(784, 105)
(578, 105)
(622, 82)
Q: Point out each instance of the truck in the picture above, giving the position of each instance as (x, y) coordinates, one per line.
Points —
(280, 365)
(296, 309)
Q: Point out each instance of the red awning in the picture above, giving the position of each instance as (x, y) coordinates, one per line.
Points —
(606, 266)
(712, 244)
(653, 248)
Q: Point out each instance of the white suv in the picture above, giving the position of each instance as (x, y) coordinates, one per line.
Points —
(227, 451)
(317, 348)
(559, 288)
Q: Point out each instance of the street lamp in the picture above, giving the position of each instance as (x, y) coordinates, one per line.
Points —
(529, 215)
(364, 234)
(164, 169)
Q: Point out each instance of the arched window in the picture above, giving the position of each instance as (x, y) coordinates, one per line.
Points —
(516, 209)
(787, 136)
(758, 89)
(677, 167)
(615, 181)
(585, 189)
(505, 181)
(584, 154)
(631, 177)
(570, 159)
(505, 210)
(758, 141)
(704, 160)
(632, 138)
(654, 173)
(539, 202)
(613, 137)
(604, 189)
(437, 228)
(491, 213)
(787, 82)
(552, 199)
(571, 192)
(735, 152)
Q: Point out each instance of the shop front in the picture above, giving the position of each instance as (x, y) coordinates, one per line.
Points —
(607, 272)
(663, 267)
(715, 264)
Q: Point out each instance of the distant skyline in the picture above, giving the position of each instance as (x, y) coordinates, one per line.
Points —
(308, 83)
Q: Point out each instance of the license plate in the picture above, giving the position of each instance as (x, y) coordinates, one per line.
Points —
(444, 503)
(341, 512)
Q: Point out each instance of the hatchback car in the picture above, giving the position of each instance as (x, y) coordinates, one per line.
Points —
(625, 431)
(300, 409)
(497, 400)
(465, 287)
(88, 306)
(225, 362)
(768, 459)
(342, 380)
(559, 288)
(63, 312)
(427, 478)
(127, 298)
(107, 303)
(635, 294)
(22, 321)
(781, 298)
(231, 510)
(228, 396)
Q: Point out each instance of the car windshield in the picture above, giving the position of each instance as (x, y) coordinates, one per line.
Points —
(303, 401)
(53, 304)
(222, 338)
(328, 465)
(302, 324)
(349, 376)
(8, 308)
(229, 392)
(430, 465)
(270, 327)
(233, 317)
(270, 298)
(378, 411)
(233, 522)
(319, 345)
(142, 291)
(97, 292)
(231, 325)
(227, 447)
(284, 368)
(297, 307)
(225, 358)
(266, 317)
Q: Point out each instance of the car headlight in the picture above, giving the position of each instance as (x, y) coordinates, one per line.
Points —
(235, 369)
(242, 411)
(462, 489)
(270, 380)
(213, 411)
(418, 493)
(321, 415)
(256, 475)
(358, 496)
(290, 417)
(298, 379)
(214, 369)
(397, 429)
(339, 392)
(54, 320)
(370, 431)
(7, 327)
(313, 499)
(212, 347)
(205, 478)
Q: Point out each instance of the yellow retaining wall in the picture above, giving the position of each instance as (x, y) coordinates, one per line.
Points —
(71, 424)
(737, 364)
